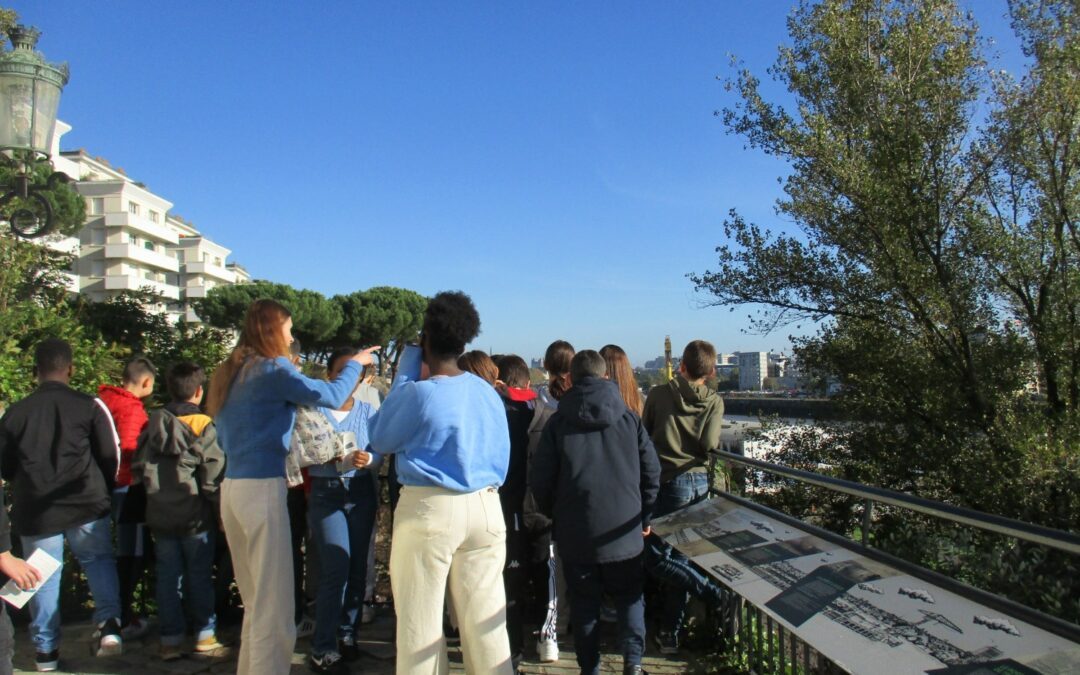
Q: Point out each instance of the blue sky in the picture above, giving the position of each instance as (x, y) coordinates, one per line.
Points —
(560, 162)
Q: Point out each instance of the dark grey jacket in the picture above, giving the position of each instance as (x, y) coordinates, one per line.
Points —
(596, 473)
(181, 465)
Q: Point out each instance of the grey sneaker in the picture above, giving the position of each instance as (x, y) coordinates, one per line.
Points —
(667, 643)
(306, 627)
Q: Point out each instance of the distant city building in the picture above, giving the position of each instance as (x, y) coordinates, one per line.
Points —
(777, 364)
(794, 377)
(130, 240)
(753, 369)
(537, 363)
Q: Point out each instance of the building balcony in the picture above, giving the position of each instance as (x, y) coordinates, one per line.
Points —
(209, 270)
(140, 254)
(128, 283)
(191, 292)
(141, 225)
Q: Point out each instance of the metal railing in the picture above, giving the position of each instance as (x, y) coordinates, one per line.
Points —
(1058, 539)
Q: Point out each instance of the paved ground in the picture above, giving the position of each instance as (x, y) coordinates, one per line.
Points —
(141, 657)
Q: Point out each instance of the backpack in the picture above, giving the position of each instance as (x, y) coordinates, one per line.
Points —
(314, 441)
(536, 522)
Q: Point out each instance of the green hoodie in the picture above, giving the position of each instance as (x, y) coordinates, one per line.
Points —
(684, 421)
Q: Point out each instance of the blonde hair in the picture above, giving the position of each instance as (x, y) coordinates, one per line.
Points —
(621, 373)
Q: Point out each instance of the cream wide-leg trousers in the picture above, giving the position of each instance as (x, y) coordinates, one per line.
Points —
(256, 523)
(443, 536)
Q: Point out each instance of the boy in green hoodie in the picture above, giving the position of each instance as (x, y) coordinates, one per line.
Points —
(684, 419)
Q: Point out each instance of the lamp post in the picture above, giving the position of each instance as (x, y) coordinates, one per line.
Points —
(29, 97)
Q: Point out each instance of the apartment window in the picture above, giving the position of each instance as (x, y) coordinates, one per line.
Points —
(206, 257)
(180, 256)
(148, 245)
(97, 236)
(149, 276)
(133, 239)
(154, 216)
(217, 261)
(97, 268)
(133, 208)
(97, 206)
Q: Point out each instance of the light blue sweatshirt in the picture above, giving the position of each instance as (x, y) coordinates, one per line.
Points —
(355, 421)
(256, 421)
(448, 432)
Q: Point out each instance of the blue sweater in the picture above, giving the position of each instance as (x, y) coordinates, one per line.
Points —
(256, 421)
(355, 421)
(448, 432)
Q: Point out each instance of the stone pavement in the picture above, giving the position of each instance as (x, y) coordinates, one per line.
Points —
(376, 640)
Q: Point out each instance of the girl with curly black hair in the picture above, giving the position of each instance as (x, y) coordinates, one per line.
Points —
(452, 444)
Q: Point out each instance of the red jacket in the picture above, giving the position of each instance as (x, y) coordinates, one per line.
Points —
(130, 419)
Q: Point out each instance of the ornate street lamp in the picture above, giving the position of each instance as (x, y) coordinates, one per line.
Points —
(29, 96)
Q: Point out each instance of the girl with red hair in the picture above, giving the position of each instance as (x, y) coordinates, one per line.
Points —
(253, 396)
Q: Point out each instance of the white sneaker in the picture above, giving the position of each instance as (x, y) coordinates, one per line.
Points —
(110, 644)
(547, 651)
(306, 627)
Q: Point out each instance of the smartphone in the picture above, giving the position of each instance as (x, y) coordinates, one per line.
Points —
(409, 364)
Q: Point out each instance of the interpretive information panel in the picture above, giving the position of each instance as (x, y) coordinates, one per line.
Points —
(865, 616)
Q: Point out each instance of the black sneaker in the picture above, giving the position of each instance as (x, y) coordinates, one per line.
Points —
(348, 649)
(668, 643)
(47, 663)
(110, 642)
(330, 662)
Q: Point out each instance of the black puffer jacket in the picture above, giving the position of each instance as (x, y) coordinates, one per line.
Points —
(596, 473)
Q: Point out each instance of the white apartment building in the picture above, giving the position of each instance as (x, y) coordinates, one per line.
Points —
(125, 244)
(753, 369)
(202, 267)
(130, 241)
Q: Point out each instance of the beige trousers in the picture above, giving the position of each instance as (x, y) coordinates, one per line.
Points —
(257, 527)
(442, 536)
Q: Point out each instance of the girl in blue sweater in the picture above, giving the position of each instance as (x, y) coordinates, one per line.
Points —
(253, 396)
(341, 512)
(453, 447)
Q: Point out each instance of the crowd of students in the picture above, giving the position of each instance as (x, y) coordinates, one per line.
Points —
(510, 502)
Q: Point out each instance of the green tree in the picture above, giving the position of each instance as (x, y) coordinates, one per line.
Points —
(34, 298)
(384, 315)
(940, 259)
(1026, 169)
(315, 318)
(124, 319)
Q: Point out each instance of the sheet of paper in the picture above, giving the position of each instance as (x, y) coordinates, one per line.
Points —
(43, 563)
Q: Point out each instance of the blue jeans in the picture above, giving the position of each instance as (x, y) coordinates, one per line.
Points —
(587, 583)
(185, 581)
(671, 567)
(91, 544)
(341, 512)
